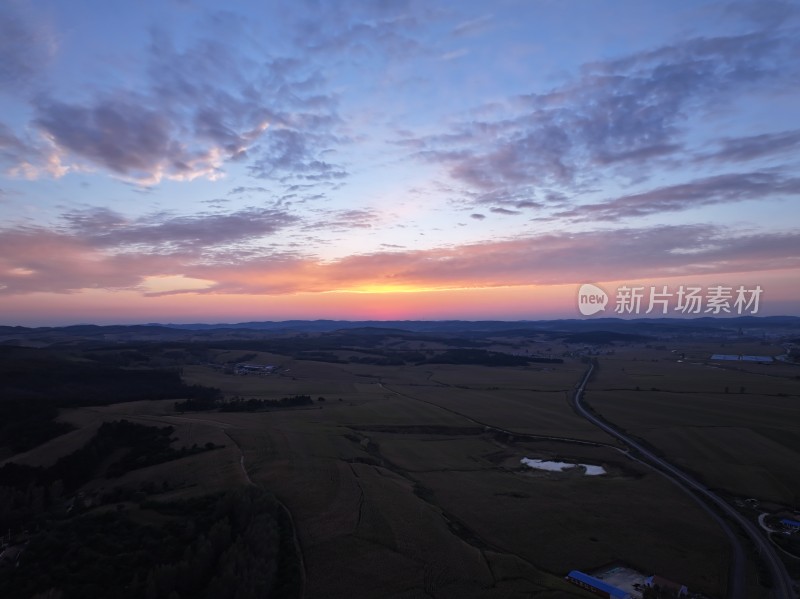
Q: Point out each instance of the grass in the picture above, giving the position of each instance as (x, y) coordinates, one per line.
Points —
(396, 491)
(532, 412)
(744, 443)
(377, 503)
(560, 523)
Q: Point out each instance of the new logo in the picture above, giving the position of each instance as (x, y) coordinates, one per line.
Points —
(591, 299)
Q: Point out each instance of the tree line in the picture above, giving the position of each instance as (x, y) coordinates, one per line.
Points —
(27, 491)
(240, 404)
(35, 383)
(236, 545)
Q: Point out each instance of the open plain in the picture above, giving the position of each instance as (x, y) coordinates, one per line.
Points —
(406, 479)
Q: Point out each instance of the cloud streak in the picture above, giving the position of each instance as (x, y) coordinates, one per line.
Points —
(44, 260)
(197, 109)
(26, 47)
(753, 147)
(104, 228)
(618, 117)
(719, 189)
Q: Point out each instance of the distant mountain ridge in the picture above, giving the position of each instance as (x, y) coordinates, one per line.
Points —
(491, 325)
(478, 328)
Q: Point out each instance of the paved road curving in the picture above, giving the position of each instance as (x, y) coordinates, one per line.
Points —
(782, 583)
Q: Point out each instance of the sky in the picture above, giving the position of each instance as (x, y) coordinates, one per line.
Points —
(191, 161)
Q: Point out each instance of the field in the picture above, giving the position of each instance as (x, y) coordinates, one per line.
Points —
(401, 482)
(406, 481)
(737, 429)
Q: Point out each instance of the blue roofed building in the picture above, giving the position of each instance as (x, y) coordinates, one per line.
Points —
(791, 523)
(596, 586)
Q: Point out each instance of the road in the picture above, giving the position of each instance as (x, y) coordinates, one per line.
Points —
(782, 583)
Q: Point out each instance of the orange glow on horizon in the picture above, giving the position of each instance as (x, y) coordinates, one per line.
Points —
(371, 302)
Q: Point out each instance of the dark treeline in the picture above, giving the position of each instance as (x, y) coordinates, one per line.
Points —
(240, 404)
(64, 380)
(485, 358)
(34, 384)
(356, 340)
(27, 491)
(383, 357)
(236, 545)
(27, 423)
(605, 337)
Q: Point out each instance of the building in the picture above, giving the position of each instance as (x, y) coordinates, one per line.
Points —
(742, 358)
(596, 586)
(791, 523)
(244, 368)
(677, 589)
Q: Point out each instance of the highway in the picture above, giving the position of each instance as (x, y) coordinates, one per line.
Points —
(782, 582)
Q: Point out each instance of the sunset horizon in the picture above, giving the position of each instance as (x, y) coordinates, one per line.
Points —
(172, 162)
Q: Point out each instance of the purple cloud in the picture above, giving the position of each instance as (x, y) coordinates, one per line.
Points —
(506, 211)
(104, 228)
(125, 137)
(753, 147)
(344, 220)
(26, 47)
(702, 192)
(617, 117)
(198, 108)
(83, 256)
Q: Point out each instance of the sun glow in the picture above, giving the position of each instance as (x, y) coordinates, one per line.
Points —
(383, 288)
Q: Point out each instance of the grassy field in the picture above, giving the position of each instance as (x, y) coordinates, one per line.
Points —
(396, 486)
(738, 430)
(399, 487)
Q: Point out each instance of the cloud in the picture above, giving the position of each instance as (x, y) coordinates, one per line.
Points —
(360, 31)
(11, 146)
(38, 260)
(617, 117)
(477, 216)
(295, 155)
(197, 108)
(131, 140)
(29, 157)
(242, 189)
(454, 54)
(547, 259)
(473, 26)
(105, 228)
(767, 14)
(506, 211)
(343, 220)
(702, 192)
(518, 197)
(100, 248)
(81, 256)
(753, 147)
(26, 47)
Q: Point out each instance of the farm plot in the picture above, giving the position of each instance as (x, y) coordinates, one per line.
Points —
(531, 412)
(363, 528)
(396, 492)
(271, 386)
(685, 377)
(560, 522)
(735, 429)
(746, 445)
(539, 377)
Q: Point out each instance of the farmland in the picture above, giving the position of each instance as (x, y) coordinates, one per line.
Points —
(405, 480)
(411, 454)
(736, 429)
